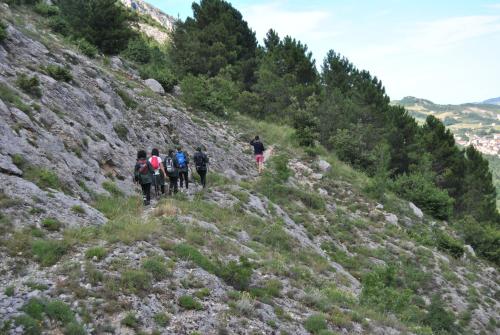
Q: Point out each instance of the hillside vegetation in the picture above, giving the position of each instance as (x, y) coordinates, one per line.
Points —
(364, 222)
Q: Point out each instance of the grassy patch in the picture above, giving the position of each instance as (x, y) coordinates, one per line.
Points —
(49, 252)
(121, 130)
(315, 323)
(57, 72)
(136, 281)
(30, 85)
(12, 98)
(162, 319)
(130, 320)
(188, 302)
(9, 291)
(157, 267)
(98, 252)
(112, 189)
(127, 99)
(52, 224)
(77, 209)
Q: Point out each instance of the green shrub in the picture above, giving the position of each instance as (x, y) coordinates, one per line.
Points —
(131, 321)
(484, 238)
(121, 130)
(74, 328)
(43, 178)
(77, 209)
(86, 48)
(58, 72)
(9, 291)
(137, 50)
(447, 243)
(59, 311)
(45, 9)
(59, 25)
(51, 224)
(237, 275)
(127, 99)
(160, 73)
(188, 302)
(276, 237)
(34, 308)
(157, 267)
(49, 252)
(30, 325)
(98, 252)
(11, 97)
(315, 323)
(112, 189)
(30, 85)
(3, 31)
(136, 281)
(190, 253)
(162, 319)
(438, 318)
(203, 293)
(419, 189)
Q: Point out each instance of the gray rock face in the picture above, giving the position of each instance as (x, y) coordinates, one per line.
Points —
(324, 166)
(154, 86)
(417, 211)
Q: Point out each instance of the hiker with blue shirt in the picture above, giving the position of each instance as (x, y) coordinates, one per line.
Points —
(183, 160)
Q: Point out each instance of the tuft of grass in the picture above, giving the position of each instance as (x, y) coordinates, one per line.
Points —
(121, 130)
(30, 325)
(202, 293)
(236, 274)
(49, 252)
(162, 319)
(52, 224)
(157, 267)
(315, 323)
(77, 209)
(127, 99)
(136, 281)
(12, 98)
(30, 85)
(34, 308)
(46, 10)
(9, 291)
(188, 252)
(112, 189)
(130, 320)
(165, 208)
(86, 48)
(74, 328)
(59, 311)
(3, 31)
(98, 252)
(57, 72)
(188, 302)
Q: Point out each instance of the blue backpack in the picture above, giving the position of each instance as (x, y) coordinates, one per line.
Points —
(181, 158)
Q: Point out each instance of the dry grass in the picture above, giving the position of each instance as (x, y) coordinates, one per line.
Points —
(166, 208)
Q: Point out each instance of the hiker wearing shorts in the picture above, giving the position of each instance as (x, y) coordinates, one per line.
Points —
(143, 175)
(258, 149)
(159, 172)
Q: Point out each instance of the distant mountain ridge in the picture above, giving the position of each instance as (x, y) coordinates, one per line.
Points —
(493, 101)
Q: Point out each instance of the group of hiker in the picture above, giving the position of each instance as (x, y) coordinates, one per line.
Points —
(153, 171)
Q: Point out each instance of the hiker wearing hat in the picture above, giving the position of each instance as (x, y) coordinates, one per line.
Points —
(201, 163)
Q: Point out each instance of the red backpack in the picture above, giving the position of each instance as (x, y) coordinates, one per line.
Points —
(155, 163)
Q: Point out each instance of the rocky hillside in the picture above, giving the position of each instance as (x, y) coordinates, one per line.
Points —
(302, 249)
(493, 101)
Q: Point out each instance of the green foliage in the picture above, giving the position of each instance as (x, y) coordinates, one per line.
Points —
(131, 321)
(138, 50)
(162, 319)
(188, 302)
(74, 328)
(315, 323)
(188, 252)
(417, 188)
(157, 267)
(43, 178)
(30, 325)
(86, 48)
(136, 281)
(59, 311)
(448, 244)
(59, 25)
(104, 23)
(45, 9)
(58, 72)
(30, 85)
(121, 130)
(49, 252)
(214, 38)
(484, 238)
(216, 95)
(236, 274)
(34, 308)
(160, 73)
(9, 291)
(10, 96)
(438, 318)
(98, 252)
(127, 99)
(52, 224)
(77, 209)
(112, 189)
(3, 31)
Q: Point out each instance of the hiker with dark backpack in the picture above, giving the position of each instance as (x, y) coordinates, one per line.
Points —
(159, 172)
(258, 149)
(143, 175)
(183, 160)
(201, 163)
(171, 166)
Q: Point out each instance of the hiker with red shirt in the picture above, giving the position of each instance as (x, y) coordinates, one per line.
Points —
(258, 149)
(159, 171)
(143, 175)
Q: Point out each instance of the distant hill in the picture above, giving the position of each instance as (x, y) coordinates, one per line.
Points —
(493, 101)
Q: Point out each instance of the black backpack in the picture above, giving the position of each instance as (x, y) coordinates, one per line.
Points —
(200, 161)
